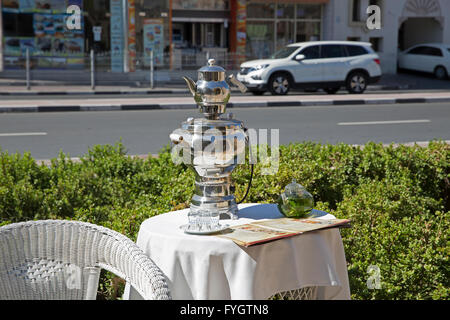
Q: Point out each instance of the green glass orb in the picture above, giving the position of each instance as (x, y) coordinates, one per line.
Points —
(295, 202)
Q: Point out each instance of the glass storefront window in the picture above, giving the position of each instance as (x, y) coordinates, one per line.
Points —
(285, 11)
(260, 38)
(152, 8)
(152, 32)
(260, 10)
(40, 28)
(285, 33)
(95, 15)
(308, 11)
(200, 5)
(290, 22)
(308, 31)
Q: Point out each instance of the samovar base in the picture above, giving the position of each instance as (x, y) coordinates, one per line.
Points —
(227, 208)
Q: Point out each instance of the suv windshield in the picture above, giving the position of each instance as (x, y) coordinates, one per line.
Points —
(283, 53)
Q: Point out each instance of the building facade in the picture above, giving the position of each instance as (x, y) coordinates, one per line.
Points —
(178, 33)
(404, 23)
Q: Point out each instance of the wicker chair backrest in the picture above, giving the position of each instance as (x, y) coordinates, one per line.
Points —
(61, 259)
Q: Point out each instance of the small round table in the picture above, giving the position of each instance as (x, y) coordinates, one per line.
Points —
(204, 267)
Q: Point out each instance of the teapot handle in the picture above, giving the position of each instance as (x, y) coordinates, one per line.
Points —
(237, 83)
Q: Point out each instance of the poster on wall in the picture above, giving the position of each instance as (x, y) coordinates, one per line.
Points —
(50, 42)
(43, 5)
(27, 44)
(48, 6)
(53, 38)
(153, 41)
(12, 46)
(97, 31)
(131, 36)
(10, 5)
(241, 17)
(27, 5)
(18, 46)
(116, 34)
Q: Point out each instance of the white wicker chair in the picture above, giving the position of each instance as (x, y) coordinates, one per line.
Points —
(60, 259)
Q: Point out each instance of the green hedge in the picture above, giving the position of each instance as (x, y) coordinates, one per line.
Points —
(397, 197)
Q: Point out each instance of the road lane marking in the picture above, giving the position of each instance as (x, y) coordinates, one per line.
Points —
(383, 122)
(23, 134)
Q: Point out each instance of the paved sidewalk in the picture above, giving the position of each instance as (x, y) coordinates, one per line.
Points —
(18, 90)
(243, 101)
(18, 87)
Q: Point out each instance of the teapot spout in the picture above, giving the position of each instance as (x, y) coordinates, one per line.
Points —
(191, 85)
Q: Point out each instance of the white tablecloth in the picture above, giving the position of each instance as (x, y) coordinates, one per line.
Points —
(208, 267)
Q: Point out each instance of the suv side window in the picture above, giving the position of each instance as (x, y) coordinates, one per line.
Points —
(332, 51)
(417, 50)
(434, 52)
(312, 52)
(354, 51)
(427, 51)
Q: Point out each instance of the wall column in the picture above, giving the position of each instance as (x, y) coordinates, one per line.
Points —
(233, 27)
(1, 38)
(170, 35)
(238, 10)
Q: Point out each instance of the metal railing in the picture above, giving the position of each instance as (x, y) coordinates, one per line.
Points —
(142, 69)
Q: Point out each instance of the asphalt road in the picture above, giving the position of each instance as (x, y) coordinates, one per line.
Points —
(136, 95)
(143, 132)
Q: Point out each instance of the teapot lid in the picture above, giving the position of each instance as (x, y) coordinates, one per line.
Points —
(294, 188)
(211, 67)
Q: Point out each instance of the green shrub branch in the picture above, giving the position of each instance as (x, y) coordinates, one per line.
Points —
(398, 198)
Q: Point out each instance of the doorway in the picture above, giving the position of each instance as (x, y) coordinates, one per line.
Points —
(195, 41)
(419, 30)
(199, 35)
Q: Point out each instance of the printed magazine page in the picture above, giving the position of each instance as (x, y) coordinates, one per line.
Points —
(250, 234)
(301, 225)
(260, 232)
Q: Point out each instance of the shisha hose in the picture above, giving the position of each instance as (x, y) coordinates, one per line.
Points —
(248, 186)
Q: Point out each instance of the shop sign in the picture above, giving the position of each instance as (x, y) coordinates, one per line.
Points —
(117, 43)
(154, 41)
(97, 31)
(131, 36)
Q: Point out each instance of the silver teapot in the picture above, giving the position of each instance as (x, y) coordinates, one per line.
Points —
(212, 90)
(212, 146)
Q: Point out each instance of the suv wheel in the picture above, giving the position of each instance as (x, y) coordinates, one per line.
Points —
(279, 84)
(440, 73)
(357, 82)
(332, 90)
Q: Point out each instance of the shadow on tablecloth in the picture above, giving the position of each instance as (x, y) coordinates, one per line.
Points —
(269, 211)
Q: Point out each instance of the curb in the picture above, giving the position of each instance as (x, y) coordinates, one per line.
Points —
(136, 107)
(62, 93)
(157, 91)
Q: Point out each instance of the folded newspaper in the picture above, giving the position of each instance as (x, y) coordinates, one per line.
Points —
(268, 230)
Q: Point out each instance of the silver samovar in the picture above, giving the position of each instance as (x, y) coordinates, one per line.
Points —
(212, 146)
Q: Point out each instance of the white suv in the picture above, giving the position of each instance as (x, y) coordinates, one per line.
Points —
(430, 57)
(328, 65)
